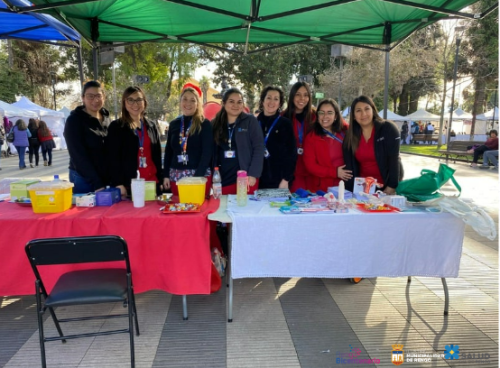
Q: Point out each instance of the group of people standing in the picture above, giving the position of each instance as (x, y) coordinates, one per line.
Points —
(300, 147)
(34, 136)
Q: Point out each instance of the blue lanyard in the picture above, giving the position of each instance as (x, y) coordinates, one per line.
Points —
(140, 137)
(230, 132)
(270, 129)
(334, 136)
(183, 137)
(300, 131)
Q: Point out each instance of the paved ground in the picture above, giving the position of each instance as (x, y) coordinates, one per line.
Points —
(291, 322)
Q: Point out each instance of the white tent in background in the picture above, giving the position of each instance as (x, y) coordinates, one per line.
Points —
(14, 113)
(422, 115)
(346, 112)
(491, 115)
(460, 114)
(65, 111)
(54, 119)
(392, 116)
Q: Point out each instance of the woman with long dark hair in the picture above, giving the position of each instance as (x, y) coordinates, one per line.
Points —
(21, 136)
(133, 143)
(280, 155)
(34, 142)
(371, 146)
(323, 155)
(239, 144)
(300, 112)
(189, 144)
(46, 142)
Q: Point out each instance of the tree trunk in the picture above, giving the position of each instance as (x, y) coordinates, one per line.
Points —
(413, 105)
(479, 96)
(403, 101)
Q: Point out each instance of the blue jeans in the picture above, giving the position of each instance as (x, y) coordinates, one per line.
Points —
(21, 151)
(81, 185)
(490, 156)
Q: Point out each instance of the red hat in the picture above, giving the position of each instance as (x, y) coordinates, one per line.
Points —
(191, 85)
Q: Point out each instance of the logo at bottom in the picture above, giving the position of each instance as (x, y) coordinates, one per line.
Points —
(398, 356)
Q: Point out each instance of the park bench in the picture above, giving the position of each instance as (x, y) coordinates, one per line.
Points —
(426, 138)
(457, 149)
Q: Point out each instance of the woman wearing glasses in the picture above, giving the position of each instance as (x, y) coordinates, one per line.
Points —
(133, 144)
(85, 132)
(300, 112)
(323, 156)
(239, 144)
(189, 143)
(280, 155)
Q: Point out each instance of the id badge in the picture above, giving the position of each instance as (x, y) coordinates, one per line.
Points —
(183, 159)
(300, 150)
(229, 154)
(142, 162)
(266, 154)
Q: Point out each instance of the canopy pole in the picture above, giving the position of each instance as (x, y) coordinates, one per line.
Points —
(94, 58)
(80, 64)
(387, 40)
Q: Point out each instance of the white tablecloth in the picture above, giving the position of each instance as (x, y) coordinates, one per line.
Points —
(266, 243)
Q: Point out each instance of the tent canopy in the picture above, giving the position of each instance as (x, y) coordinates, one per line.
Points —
(10, 111)
(351, 22)
(27, 104)
(392, 116)
(489, 115)
(460, 114)
(33, 26)
(65, 111)
(422, 115)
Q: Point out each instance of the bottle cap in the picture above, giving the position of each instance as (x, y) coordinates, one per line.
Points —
(242, 174)
(56, 177)
(216, 168)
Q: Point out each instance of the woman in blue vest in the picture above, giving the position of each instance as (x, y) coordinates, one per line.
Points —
(21, 142)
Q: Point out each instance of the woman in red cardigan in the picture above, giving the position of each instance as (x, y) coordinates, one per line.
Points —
(46, 142)
(323, 157)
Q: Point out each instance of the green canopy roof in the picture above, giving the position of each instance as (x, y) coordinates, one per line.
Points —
(351, 22)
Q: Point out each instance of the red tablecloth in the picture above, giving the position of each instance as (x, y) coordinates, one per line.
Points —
(170, 252)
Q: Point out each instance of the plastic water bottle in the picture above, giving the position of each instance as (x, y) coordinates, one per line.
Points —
(217, 184)
(242, 188)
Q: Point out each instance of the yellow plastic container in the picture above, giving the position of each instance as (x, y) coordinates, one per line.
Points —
(192, 190)
(51, 196)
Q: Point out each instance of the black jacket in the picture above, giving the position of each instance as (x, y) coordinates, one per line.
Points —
(386, 143)
(281, 145)
(85, 137)
(123, 147)
(199, 148)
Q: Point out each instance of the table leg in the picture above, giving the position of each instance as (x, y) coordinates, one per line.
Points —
(228, 274)
(446, 296)
(184, 308)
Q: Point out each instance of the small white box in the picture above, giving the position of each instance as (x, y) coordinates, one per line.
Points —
(86, 201)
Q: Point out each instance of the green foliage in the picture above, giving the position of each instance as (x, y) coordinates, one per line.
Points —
(12, 82)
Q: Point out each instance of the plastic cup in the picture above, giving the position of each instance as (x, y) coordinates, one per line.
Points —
(138, 192)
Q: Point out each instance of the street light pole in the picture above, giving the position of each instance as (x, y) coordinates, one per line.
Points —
(53, 77)
(455, 70)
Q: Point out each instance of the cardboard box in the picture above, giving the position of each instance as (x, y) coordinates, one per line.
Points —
(108, 197)
(87, 200)
(150, 191)
(19, 188)
(335, 192)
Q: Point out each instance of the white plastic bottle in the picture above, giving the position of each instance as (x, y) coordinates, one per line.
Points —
(242, 188)
(217, 184)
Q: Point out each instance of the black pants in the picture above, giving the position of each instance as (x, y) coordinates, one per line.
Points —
(479, 152)
(34, 150)
(45, 152)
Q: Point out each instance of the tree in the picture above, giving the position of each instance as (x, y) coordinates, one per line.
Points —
(12, 82)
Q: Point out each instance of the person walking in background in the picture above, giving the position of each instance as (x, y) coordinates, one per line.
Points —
(134, 144)
(404, 132)
(300, 112)
(46, 142)
(189, 144)
(85, 132)
(239, 144)
(21, 142)
(34, 146)
(280, 155)
(2, 140)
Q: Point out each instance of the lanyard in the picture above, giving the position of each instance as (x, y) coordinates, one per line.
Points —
(270, 129)
(300, 131)
(140, 136)
(184, 137)
(333, 136)
(230, 132)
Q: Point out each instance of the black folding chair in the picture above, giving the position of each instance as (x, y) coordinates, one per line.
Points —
(92, 286)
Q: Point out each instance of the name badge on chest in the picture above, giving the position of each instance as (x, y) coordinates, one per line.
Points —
(300, 150)
(230, 154)
(266, 154)
(183, 158)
